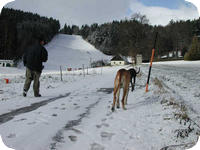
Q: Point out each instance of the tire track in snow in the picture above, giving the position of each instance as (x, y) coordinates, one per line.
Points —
(59, 137)
(9, 116)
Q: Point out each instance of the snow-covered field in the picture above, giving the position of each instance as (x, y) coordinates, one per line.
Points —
(75, 113)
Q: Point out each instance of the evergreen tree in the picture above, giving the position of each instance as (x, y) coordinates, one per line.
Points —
(194, 51)
(18, 29)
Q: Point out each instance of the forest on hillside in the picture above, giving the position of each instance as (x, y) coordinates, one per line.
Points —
(18, 29)
(132, 36)
(127, 37)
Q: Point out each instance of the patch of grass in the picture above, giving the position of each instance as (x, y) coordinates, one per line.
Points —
(158, 83)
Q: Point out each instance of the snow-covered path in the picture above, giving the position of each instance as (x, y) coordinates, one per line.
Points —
(56, 113)
(77, 114)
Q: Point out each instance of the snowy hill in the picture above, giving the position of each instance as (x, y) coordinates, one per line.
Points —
(71, 51)
(68, 51)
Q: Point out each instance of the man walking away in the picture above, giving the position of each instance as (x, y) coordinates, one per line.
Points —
(33, 58)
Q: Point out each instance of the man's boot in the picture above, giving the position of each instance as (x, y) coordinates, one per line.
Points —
(24, 93)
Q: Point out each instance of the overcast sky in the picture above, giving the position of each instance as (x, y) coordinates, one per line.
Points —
(80, 12)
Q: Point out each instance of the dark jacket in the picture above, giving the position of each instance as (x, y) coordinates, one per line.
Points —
(34, 56)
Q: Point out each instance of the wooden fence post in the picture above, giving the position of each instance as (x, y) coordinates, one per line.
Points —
(83, 71)
(61, 73)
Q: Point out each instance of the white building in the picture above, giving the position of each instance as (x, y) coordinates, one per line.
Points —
(6, 63)
(118, 61)
(138, 59)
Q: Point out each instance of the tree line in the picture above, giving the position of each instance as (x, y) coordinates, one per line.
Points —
(19, 29)
(136, 36)
(128, 37)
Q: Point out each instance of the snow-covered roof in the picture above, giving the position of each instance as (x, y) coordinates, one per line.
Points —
(119, 58)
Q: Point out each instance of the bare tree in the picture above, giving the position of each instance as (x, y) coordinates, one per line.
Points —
(140, 18)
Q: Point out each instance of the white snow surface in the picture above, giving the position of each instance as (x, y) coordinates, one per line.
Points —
(70, 51)
(76, 114)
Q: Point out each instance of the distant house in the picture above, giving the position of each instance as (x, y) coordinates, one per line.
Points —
(6, 63)
(118, 61)
(172, 55)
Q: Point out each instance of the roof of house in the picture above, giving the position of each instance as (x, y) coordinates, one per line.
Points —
(117, 58)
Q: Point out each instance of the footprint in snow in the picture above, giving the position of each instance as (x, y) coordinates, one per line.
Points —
(96, 146)
(12, 135)
(54, 115)
(31, 123)
(73, 138)
(102, 125)
(106, 136)
(104, 119)
(76, 130)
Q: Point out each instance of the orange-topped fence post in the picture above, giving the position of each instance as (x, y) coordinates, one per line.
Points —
(150, 66)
